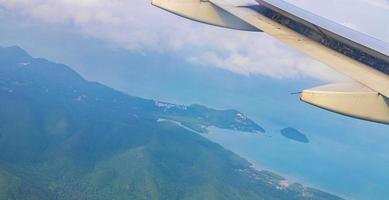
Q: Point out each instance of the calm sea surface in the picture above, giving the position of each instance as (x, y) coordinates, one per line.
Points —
(357, 168)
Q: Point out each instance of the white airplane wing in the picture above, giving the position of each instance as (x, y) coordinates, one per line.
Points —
(360, 57)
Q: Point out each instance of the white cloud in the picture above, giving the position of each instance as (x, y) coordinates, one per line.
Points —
(137, 26)
(379, 3)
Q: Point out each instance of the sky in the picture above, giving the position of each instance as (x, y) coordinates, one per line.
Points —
(138, 27)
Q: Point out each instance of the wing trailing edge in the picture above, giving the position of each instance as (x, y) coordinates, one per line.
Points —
(362, 58)
(311, 40)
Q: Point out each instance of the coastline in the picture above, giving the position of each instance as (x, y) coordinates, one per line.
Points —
(262, 167)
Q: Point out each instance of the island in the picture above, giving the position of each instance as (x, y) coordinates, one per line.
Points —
(294, 134)
(199, 118)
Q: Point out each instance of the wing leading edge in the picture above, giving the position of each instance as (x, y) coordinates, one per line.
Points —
(362, 58)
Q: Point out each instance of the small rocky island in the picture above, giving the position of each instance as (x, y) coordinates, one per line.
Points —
(295, 135)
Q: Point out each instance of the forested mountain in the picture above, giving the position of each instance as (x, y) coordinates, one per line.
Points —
(62, 137)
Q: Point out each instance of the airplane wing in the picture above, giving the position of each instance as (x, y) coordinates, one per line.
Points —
(360, 57)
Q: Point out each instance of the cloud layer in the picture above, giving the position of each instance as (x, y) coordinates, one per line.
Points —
(137, 26)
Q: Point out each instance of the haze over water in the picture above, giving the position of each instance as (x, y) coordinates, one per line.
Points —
(356, 169)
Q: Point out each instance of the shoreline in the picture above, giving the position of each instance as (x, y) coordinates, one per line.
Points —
(289, 178)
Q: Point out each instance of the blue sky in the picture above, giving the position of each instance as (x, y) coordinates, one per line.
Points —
(136, 26)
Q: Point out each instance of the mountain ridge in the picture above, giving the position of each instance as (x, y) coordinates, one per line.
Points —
(63, 137)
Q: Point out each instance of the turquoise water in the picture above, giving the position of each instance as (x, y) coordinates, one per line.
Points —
(356, 168)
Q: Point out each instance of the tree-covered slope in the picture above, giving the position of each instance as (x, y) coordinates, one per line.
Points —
(62, 137)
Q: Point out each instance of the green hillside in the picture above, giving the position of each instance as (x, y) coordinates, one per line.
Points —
(65, 138)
